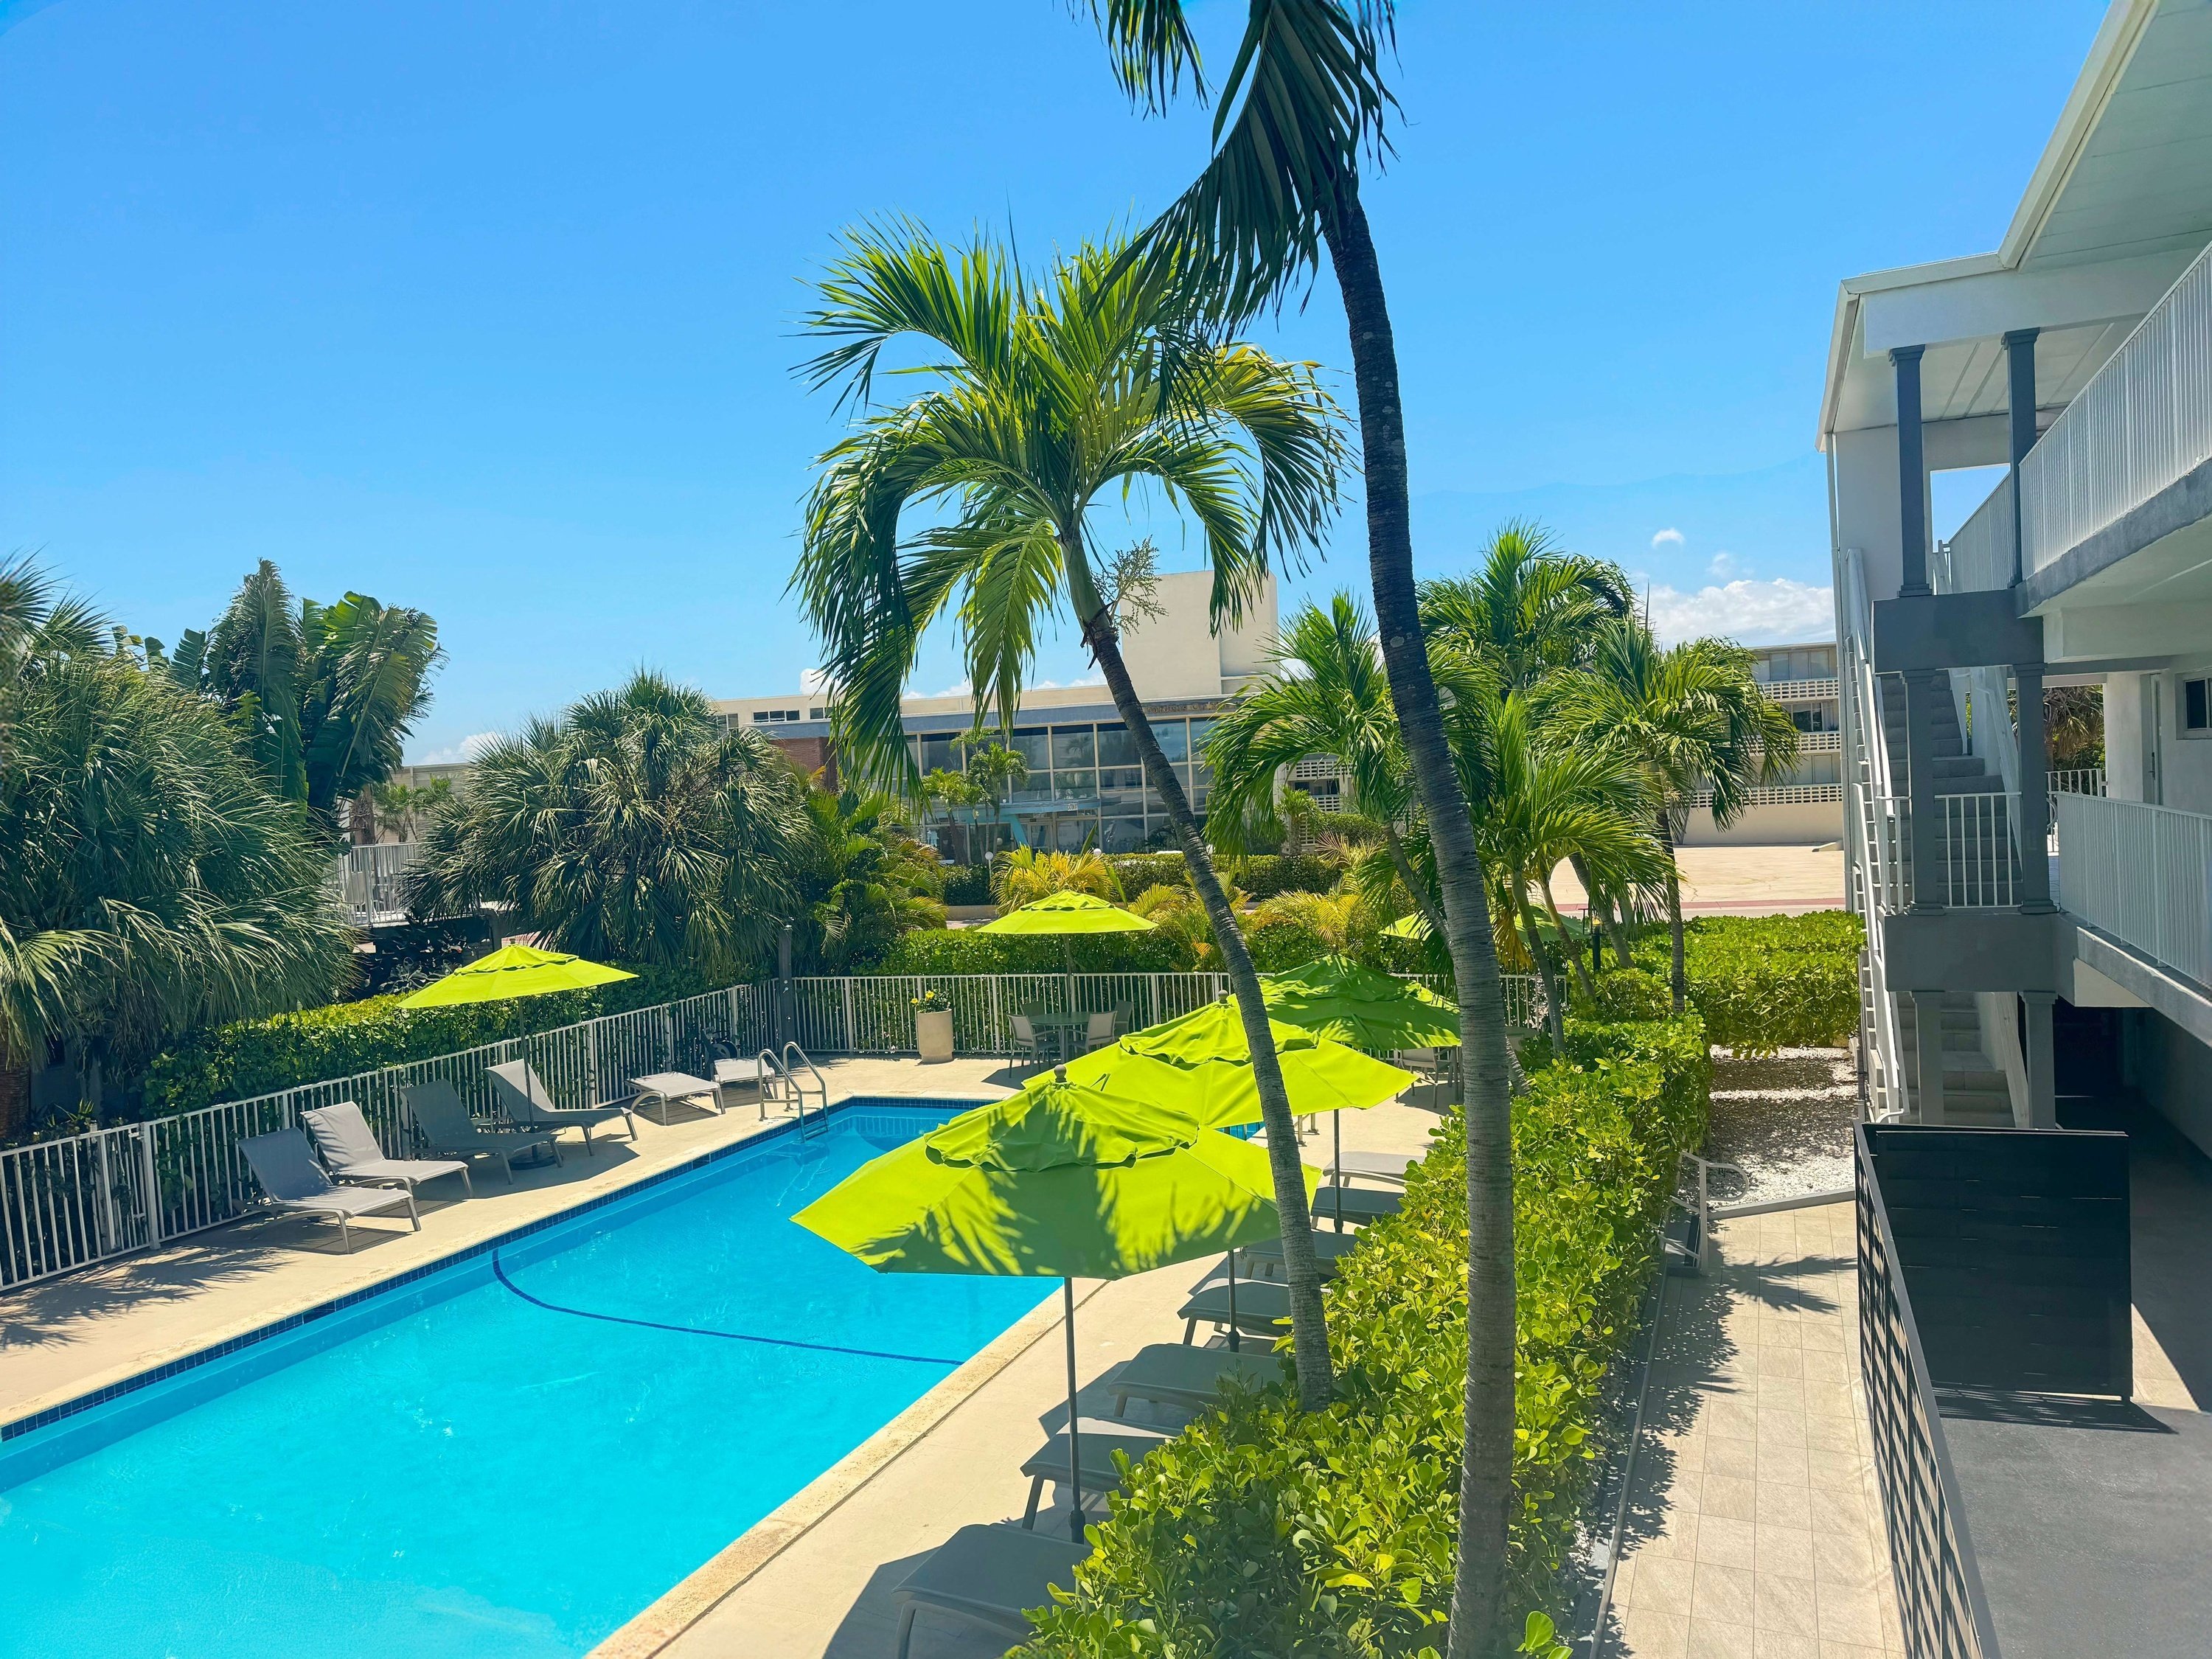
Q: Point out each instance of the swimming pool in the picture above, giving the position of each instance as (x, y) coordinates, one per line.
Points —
(506, 1458)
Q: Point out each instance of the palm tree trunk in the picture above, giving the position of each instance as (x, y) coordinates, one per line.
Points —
(1485, 1494)
(1558, 923)
(1424, 900)
(1301, 1267)
(1605, 912)
(1679, 979)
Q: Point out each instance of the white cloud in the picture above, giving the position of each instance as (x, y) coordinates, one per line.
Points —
(1669, 536)
(466, 750)
(1722, 567)
(813, 683)
(964, 689)
(1754, 613)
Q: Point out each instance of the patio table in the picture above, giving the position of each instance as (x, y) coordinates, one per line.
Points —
(670, 1086)
(1059, 1024)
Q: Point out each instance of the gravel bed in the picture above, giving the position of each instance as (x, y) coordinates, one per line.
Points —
(1785, 1120)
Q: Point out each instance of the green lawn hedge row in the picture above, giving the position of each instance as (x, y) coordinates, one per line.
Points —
(252, 1057)
(1262, 1530)
(966, 950)
(1761, 982)
(1261, 876)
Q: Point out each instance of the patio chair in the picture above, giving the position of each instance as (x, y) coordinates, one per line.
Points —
(1125, 1017)
(1100, 1438)
(736, 1072)
(529, 1104)
(990, 1575)
(284, 1163)
(1025, 1041)
(1170, 1374)
(348, 1147)
(1267, 1256)
(1263, 1307)
(1359, 1204)
(1098, 1031)
(447, 1128)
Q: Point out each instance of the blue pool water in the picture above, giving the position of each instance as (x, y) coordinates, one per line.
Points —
(506, 1460)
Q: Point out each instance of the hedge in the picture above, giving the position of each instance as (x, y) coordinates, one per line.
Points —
(1262, 1530)
(968, 951)
(252, 1057)
(1761, 982)
(1260, 877)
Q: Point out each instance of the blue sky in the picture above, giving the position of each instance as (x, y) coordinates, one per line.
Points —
(488, 307)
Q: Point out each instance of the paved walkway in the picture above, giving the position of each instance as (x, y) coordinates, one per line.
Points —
(64, 1337)
(1743, 881)
(1755, 1527)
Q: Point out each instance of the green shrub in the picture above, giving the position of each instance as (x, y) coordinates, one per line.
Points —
(1138, 871)
(252, 1057)
(967, 951)
(1260, 877)
(968, 884)
(1761, 982)
(1264, 1530)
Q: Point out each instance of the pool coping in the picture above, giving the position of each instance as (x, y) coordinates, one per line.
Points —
(654, 1629)
(45, 1416)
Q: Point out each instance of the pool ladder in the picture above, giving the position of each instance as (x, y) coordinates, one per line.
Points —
(793, 1086)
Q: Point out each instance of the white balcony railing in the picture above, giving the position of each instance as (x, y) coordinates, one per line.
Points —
(1874, 842)
(2141, 873)
(1981, 871)
(1779, 794)
(1978, 558)
(2076, 781)
(2142, 423)
(1800, 690)
(372, 881)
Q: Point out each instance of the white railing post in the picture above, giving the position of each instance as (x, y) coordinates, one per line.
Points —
(147, 1133)
(852, 1036)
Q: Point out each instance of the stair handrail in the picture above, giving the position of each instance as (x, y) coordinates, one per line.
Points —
(1875, 827)
(798, 1089)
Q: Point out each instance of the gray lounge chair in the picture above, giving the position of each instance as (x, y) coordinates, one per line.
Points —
(529, 1104)
(1098, 1439)
(1358, 1205)
(447, 1128)
(347, 1148)
(284, 1163)
(1262, 1307)
(1190, 1378)
(1267, 1256)
(989, 1575)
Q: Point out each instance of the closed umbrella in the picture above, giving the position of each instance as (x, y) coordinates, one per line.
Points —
(1059, 1180)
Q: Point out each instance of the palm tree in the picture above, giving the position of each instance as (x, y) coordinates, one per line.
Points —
(1029, 873)
(1042, 400)
(865, 878)
(1303, 106)
(1328, 694)
(1530, 609)
(152, 882)
(1694, 719)
(327, 695)
(633, 828)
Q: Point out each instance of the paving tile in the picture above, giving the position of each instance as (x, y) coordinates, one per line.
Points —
(1849, 1615)
(1779, 1361)
(1778, 1505)
(1647, 1633)
(1849, 1650)
(1785, 1604)
(1780, 1423)
(1782, 1644)
(1709, 1638)
(1840, 1511)
(1738, 1418)
(1730, 1458)
(1723, 1595)
(1664, 1583)
(1781, 1461)
(1845, 1471)
(1849, 1559)
(1726, 1542)
(1736, 1499)
(1785, 1553)
(1679, 1533)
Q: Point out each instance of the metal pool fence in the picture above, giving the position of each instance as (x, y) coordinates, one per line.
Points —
(70, 1202)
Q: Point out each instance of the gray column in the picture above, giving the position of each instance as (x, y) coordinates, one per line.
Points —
(2020, 375)
(2034, 803)
(1928, 1023)
(1911, 472)
(1925, 823)
(2042, 1080)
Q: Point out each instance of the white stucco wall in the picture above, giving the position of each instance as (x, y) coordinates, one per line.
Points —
(1178, 655)
(1811, 825)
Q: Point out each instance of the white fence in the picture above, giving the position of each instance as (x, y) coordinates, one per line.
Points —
(2141, 873)
(2143, 421)
(1979, 557)
(69, 1202)
(372, 881)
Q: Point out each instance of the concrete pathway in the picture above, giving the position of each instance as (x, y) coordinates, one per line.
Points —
(1755, 1526)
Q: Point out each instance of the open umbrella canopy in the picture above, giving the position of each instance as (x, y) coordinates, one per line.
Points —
(1337, 998)
(1414, 926)
(1201, 1065)
(1062, 1179)
(514, 970)
(1068, 912)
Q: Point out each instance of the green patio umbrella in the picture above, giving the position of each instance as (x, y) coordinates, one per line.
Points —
(1067, 915)
(514, 970)
(1415, 926)
(1201, 1064)
(1344, 999)
(1059, 1180)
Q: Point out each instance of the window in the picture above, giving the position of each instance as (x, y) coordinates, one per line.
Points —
(938, 755)
(1117, 747)
(774, 716)
(1034, 745)
(2197, 705)
(1074, 745)
(1175, 739)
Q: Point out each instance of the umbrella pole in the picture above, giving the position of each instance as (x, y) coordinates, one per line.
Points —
(1337, 1119)
(1236, 1342)
(1074, 1451)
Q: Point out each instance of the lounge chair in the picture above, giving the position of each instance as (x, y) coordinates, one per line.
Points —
(991, 1575)
(1387, 1167)
(447, 1128)
(1098, 1439)
(1191, 1378)
(347, 1148)
(529, 1104)
(1358, 1204)
(1267, 1256)
(1263, 1307)
(284, 1163)
(757, 1074)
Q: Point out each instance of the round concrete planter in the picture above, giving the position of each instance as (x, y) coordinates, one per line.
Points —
(932, 1033)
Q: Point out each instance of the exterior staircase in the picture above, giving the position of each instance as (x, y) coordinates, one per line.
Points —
(1975, 1094)
(1957, 773)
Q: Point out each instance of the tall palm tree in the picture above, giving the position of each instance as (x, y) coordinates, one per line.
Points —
(152, 883)
(1042, 400)
(634, 827)
(1302, 108)
(326, 695)
(1530, 608)
(1326, 694)
(1694, 719)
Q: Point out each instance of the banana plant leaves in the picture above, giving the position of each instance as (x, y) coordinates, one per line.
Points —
(1061, 1180)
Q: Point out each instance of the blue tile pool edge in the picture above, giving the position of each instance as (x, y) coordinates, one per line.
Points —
(48, 1415)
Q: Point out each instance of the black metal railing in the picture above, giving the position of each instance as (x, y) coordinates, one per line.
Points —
(1938, 1590)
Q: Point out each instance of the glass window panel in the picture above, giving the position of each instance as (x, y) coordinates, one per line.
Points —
(1123, 803)
(1074, 745)
(1121, 777)
(1117, 747)
(1074, 785)
(1076, 833)
(1034, 745)
(938, 755)
(1175, 739)
(1124, 835)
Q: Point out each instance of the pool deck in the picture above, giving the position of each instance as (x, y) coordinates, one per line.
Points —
(65, 1337)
